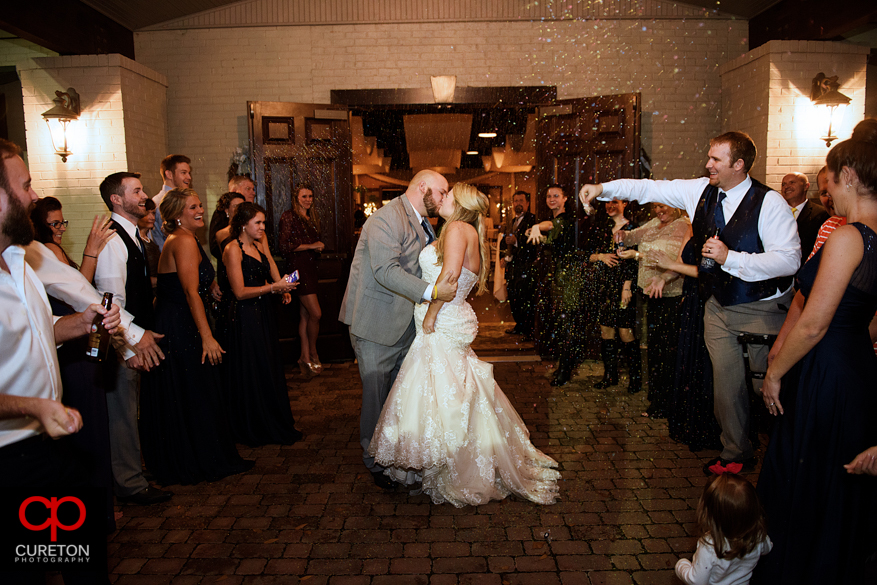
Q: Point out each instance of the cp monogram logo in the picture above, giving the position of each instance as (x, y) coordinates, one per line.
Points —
(51, 505)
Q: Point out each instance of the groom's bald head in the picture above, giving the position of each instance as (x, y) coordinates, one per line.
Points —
(426, 191)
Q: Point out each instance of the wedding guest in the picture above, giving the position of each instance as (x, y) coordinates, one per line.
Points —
(183, 424)
(820, 386)
(256, 392)
(733, 535)
(301, 246)
(666, 232)
(617, 305)
(144, 226)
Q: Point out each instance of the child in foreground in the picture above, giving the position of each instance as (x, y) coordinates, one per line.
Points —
(733, 534)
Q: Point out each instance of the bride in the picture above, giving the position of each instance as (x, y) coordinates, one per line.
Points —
(446, 422)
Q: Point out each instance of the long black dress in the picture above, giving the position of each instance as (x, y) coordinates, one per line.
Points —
(690, 417)
(256, 394)
(821, 519)
(183, 429)
(558, 288)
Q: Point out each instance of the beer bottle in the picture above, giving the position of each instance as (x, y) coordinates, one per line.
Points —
(99, 338)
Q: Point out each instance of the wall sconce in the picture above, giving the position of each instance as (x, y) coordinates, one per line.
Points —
(825, 96)
(443, 87)
(65, 111)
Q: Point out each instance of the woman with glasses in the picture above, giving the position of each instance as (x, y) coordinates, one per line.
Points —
(50, 225)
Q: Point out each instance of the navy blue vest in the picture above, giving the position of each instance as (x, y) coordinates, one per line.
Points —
(138, 286)
(741, 235)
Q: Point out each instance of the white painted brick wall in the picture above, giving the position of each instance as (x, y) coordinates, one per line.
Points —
(98, 143)
(767, 93)
(673, 63)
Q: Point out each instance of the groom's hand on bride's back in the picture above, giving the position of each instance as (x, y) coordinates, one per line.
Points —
(446, 287)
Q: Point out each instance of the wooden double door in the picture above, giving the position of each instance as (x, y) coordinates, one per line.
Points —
(579, 141)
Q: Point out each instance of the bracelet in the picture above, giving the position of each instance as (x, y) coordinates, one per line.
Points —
(434, 292)
(88, 256)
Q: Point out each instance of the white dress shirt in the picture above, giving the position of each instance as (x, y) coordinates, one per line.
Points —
(427, 294)
(797, 209)
(28, 355)
(777, 229)
(111, 272)
(66, 283)
(155, 234)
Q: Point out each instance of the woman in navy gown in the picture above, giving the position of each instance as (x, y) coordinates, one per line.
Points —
(690, 417)
(183, 430)
(256, 392)
(820, 385)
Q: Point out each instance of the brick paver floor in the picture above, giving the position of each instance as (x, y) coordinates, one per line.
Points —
(309, 513)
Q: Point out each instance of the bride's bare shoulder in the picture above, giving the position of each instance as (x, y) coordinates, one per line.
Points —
(461, 229)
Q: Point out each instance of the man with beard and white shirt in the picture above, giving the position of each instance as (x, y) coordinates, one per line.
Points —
(122, 270)
(383, 287)
(519, 259)
(30, 379)
(748, 281)
(809, 216)
(176, 172)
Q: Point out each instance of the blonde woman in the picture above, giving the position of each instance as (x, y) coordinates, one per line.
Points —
(446, 423)
(183, 431)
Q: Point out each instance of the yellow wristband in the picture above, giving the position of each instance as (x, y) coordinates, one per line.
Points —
(434, 292)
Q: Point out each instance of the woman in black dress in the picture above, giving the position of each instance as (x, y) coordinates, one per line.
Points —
(666, 232)
(558, 283)
(820, 385)
(220, 240)
(301, 246)
(690, 417)
(256, 394)
(183, 430)
(617, 309)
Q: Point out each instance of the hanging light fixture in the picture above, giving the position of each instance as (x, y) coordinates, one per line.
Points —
(58, 119)
(829, 102)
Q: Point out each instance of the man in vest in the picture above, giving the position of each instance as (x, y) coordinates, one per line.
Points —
(748, 249)
(122, 270)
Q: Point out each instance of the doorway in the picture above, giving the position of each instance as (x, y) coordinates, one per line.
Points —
(537, 140)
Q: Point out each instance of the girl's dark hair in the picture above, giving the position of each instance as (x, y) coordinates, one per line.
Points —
(245, 212)
(225, 200)
(39, 217)
(729, 510)
(858, 153)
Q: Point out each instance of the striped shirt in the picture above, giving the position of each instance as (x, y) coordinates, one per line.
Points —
(831, 224)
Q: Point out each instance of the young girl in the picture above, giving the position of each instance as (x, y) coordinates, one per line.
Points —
(733, 534)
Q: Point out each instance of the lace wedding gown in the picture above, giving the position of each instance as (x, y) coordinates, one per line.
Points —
(447, 422)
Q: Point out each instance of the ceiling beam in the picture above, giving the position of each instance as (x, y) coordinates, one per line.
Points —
(68, 28)
(811, 20)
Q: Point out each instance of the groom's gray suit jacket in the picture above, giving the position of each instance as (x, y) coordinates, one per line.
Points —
(385, 279)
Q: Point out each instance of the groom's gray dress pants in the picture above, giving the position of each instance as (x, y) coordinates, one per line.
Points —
(378, 367)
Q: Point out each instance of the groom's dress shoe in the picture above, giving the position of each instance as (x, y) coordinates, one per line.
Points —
(146, 497)
(383, 482)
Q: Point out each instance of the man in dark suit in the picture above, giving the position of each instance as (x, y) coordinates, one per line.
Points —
(809, 215)
(519, 258)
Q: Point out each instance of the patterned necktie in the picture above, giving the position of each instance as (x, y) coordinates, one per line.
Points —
(719, 212)
(428, 230)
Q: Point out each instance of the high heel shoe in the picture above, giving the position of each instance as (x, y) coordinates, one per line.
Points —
(306, 368)
(317, 365)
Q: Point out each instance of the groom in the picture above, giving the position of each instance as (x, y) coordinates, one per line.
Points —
(383, 288)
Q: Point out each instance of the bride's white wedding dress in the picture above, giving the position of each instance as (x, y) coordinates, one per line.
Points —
(447, 421)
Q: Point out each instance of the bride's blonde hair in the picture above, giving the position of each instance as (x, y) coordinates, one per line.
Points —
(471, 207)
